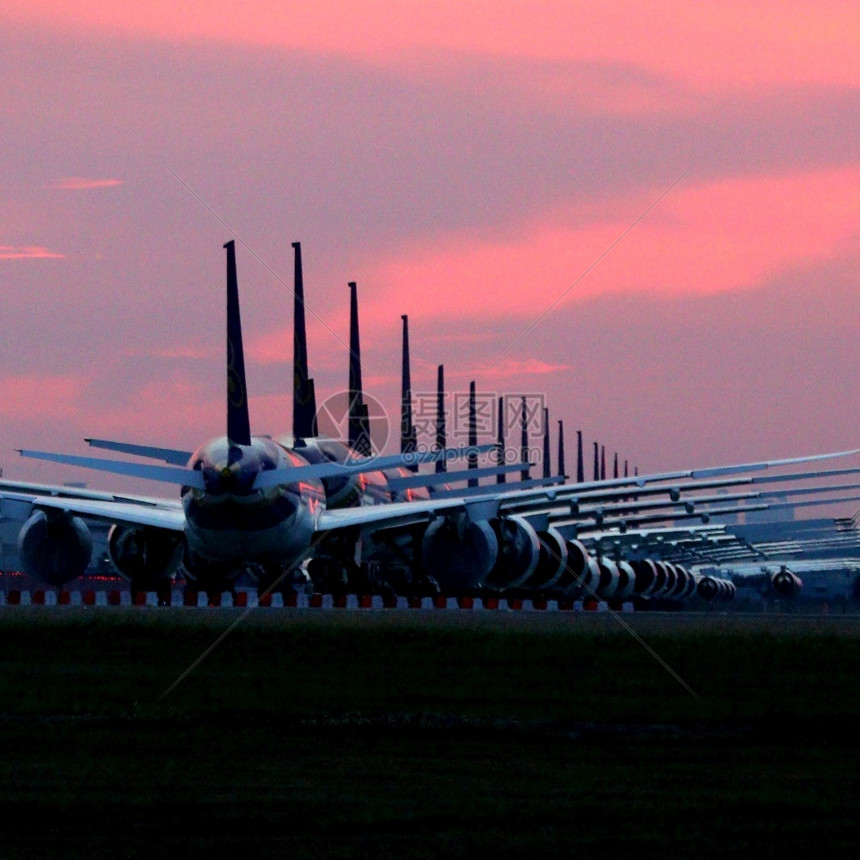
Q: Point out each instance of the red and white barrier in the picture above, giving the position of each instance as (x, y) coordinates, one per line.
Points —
(276, 600)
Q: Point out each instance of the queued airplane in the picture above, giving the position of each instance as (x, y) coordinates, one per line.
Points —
(276, 504)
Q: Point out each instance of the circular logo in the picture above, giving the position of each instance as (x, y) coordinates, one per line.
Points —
(365, 426)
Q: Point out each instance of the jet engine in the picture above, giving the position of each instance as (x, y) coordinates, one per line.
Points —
(54, 547)
(627, 580)
(648, 578)
(582, 569)
(519, 553)
(786, 583)
(670, 582)
(682, 582)
(144, 555)
(610, 578)
(458, 552)
(552, 560)
(714, 588)
(689, 580)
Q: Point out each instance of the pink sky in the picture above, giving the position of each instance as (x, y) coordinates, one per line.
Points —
(646, 212)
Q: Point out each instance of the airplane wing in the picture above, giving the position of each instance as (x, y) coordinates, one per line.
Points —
(17, 503)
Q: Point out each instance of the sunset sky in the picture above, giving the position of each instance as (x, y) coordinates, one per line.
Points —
(647, 212)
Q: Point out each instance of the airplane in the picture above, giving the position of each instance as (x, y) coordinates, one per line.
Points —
(243, 499)
(274, 504)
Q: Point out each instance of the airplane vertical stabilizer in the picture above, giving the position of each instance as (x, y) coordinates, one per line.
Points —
(500, 478)
(359, 422)
(547, 466)
(408, 435)
(580, 466)
(561, 448)
(238, 421)
(524, 439)
(304, 399)
(441, 442)
(473, 432)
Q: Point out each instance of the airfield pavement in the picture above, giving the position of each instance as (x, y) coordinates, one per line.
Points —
(674, 623)
(439, 733)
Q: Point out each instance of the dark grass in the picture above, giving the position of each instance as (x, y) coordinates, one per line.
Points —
(357, 737)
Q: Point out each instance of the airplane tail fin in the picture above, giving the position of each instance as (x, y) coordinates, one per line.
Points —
(238, 421)
(304, 398)
(547, 465)
(500, 457)
(359, 420)
(473, 432)
(408, 435)
(560, 471)
(524, 439)
(441, 434)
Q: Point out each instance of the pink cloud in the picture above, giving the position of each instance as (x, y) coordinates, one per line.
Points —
(527, 367)
(712, 238)
(80, 183)
(28, 252)
(182, 351)
(711, 44)
(193, 417)
(42, 397)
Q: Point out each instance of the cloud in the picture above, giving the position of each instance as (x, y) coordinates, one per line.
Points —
(715, 43)
(28, 252)
(38, 396)
(529, 366)
(714, 237)
(80, 183)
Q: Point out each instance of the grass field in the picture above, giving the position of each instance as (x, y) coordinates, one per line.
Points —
(429, 735)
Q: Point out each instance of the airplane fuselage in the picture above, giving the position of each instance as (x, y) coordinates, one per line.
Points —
(229, 521)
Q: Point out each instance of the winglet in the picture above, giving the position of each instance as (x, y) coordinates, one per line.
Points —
(238, 422)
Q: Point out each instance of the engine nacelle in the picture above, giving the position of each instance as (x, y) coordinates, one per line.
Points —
(589, 582)
(144, 555)
(552, 561)
(609, 578)
(519, 553)
(577, 561)
(667, 582)
(713, 588)
(459, 553)
(682, 581)
(646, 577)
(691, 582)
(627, 580)
(54, 547)
(786, 583)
